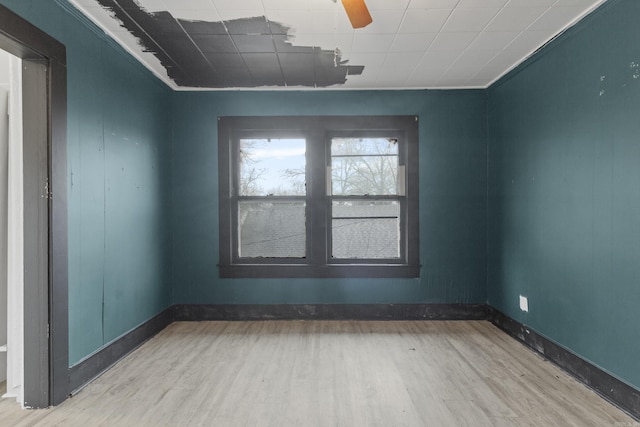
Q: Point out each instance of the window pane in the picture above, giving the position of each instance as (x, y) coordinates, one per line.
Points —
(365, 229)
(273, 229)
(364, 166)
(272, 167)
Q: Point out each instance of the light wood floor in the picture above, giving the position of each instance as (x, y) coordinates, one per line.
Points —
(329, 373)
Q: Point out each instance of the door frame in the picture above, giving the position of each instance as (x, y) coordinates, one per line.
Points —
(46, 322)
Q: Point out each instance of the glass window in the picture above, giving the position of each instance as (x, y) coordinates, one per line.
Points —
(271, 229)
(365, 229)
(364, 166)
(318, 196)
(270, 167)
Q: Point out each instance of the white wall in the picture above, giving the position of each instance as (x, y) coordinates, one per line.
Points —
(4, 140)
(11, 227)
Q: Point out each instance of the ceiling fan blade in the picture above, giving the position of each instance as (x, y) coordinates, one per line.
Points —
(357, 12)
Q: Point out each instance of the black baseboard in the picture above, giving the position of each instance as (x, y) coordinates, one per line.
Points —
(191, 312)
(86, 370)
(609, 387)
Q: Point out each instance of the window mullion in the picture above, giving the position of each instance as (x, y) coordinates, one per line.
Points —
(316, 197)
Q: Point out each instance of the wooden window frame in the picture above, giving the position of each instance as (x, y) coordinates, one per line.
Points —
(318, 131)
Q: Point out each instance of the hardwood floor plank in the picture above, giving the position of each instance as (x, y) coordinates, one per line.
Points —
(329, 373)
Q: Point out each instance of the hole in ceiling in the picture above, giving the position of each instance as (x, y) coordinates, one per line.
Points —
(246, 52)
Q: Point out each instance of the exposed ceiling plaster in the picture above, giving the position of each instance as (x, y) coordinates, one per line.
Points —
(284, 44)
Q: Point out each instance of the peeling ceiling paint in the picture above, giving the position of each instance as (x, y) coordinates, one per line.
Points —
(245, 52)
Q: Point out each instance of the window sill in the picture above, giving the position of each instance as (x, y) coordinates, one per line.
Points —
(260, 271)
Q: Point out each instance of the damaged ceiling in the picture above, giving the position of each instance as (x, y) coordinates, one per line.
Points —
(234, 44)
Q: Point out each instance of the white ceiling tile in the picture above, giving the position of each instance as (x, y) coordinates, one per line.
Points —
(332, 21)
(405, 60)
(424, 20)
(323, 41)
(431, 72)
(452, 41)
(371, 43)
(586, 3)
(304, 21)
(394, 74)
(369, 73)
(231, 14)
(412, 42)
(469, 19)
(425, 77)
(342, 24)
(421, 81)
(390, 83)
(319, 4)
(148, 5)
(452, 82)
(493, 40)
(287, 17)
(234, 4)
(387, 4)
(529, 41)
(440, 59)
(357, 82)
(371, 60)
(345, 51)
(515, 18)
(508, 57)
(530, 3)
(432, 4)
(476, 4)
(555, 18)
(343, 41)
(459, 73)
(491, 70)
(384, 22)
(487, 74)
(311, 40)
(284, 4)
(475, 59)
(477, 82)
(521, 48)
(190, 4)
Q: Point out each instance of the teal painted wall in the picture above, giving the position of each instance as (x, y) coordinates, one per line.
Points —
(564, 190)
(452, 197)
(119, 178)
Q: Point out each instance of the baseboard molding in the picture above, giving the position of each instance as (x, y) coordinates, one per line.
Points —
(609, 387)
(195, 312)
(86, 370)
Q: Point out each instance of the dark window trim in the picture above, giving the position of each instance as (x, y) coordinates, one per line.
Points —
(316, 264)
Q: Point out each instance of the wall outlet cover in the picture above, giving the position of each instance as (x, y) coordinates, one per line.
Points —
(524, 303)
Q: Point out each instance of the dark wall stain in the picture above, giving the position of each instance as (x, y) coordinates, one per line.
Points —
(248, 52)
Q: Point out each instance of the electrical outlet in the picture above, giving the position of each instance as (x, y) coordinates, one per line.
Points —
(524, 304)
